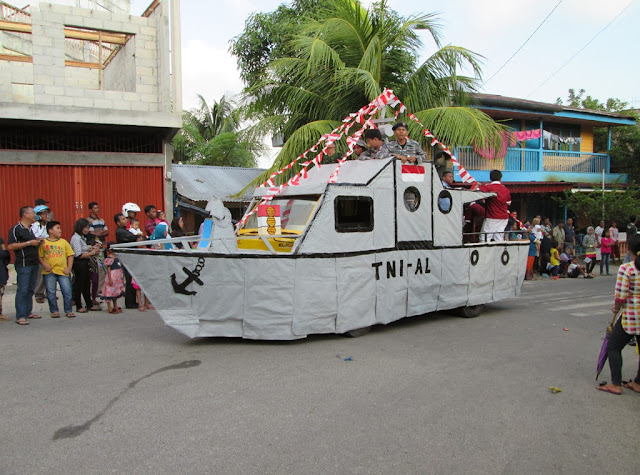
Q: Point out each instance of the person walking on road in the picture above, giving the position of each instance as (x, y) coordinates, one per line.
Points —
(627, 302)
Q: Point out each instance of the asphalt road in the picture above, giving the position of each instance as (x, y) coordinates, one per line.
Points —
(432, 394)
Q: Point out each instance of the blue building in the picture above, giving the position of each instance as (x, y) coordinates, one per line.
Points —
(550, 149)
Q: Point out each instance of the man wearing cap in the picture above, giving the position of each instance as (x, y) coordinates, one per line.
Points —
(407, 150)
(377, 147)
(360, 147)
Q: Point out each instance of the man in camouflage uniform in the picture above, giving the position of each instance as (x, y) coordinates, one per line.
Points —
(377, 147)
(407, 150)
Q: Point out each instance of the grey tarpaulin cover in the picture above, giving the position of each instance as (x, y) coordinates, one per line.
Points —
(410, 261)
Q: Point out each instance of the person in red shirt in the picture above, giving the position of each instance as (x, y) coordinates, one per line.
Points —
(152, 214)
(497, 214)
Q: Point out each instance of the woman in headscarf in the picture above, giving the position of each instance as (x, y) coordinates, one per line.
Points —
(81, 265)
(627, 304)
(161, 232)
(590, 243)
(177, 231)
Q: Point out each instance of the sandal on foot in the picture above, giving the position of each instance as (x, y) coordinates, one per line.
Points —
(120, 310)
(82, 310)
(629, 385)
(150, 307)
(34, 316)
(608, 389)
(55, 315)
(113, 310)
(2, 317)
(22, 321)
(70, 315)
(95, 309)
(142, 309)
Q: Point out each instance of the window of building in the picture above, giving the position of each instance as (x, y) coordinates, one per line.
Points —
(561, 137)
(354, 214)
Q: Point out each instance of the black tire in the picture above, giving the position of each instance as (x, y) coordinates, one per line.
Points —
(470, 311)
(357, 332)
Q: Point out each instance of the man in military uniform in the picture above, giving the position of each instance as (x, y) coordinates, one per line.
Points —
(377, 146)
(407, 150)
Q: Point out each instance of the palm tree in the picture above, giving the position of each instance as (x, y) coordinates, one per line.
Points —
(346, 59)
(211, 135)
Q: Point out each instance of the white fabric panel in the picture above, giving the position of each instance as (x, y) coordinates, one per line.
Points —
(153, 273)
(391, 286)
(482, 275)
(455, 278)
(352, 172)
(424, 287)
(315, 296)
(414, 225)
(268, 300)
(228, 328)
(356, 292)
(523, 254)
(384, 227)
(322, 236)
(224, 288)
(447, 228)
(506, 275)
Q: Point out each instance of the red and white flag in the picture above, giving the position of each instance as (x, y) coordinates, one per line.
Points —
(413, 173)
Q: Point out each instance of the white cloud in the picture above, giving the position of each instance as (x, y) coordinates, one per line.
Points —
(209, 71)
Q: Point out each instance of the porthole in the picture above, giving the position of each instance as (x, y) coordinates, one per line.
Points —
(475, 257)
(444, 201)
(411, 198)
(505, 257)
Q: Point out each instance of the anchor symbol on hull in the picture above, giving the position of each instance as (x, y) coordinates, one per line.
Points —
(191, 277)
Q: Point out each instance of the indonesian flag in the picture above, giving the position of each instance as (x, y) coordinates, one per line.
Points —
(413, 173)
(269, 219)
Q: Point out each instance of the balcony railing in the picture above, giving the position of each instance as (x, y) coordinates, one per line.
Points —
(526, 159)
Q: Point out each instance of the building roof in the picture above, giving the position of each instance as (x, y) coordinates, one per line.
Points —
(200, 183)
(496, 106)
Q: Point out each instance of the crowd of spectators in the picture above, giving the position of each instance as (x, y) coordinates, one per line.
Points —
(83, 268)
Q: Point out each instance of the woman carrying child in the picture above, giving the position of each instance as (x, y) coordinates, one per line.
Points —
(114, 280)
(606, 247)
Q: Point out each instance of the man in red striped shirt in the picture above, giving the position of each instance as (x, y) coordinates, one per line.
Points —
(497, 214)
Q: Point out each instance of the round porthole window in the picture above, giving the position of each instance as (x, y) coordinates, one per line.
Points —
(412, 198)
(444, 201)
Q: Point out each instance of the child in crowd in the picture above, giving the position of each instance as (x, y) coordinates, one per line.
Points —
(606, 247)
(554, 263)
(135, 227)
(565, 259)
(56, 258)
(114, 280)
(575, 269)
(162, 218)
(5, 257)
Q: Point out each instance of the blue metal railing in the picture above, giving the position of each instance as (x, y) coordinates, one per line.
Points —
(525, 159)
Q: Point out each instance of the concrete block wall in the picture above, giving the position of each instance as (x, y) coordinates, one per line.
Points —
(132, 81)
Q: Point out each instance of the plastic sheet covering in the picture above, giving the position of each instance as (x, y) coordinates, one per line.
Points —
(424, 287)
(391, 286)
(268, 299)
(315, 296)
(506, 278)
(455, 278)
(414, 225)
(481, 275)
(356, 293)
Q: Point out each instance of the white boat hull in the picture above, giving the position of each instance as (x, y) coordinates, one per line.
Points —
(290, 297)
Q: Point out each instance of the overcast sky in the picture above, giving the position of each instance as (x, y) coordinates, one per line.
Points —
(607, 67)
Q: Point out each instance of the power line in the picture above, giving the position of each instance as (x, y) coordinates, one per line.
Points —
(523, 44)
(580, 51)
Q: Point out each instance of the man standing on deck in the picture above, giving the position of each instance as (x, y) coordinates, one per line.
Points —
(377, 147)
(407, 150)
(497, 214)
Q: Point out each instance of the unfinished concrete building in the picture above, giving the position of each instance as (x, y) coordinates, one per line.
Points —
(90, 97)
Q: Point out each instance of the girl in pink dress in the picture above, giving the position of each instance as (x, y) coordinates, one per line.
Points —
(606, 247)
(114, 281)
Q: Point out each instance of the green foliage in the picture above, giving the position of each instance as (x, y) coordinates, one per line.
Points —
(618, 204)
(210, 135)
(343, 57)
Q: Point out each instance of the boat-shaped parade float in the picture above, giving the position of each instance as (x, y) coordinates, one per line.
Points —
(336, 249)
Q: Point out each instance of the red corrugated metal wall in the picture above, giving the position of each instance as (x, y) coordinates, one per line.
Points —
(70, 188)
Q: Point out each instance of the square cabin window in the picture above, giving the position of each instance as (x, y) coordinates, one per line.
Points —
(354, 214)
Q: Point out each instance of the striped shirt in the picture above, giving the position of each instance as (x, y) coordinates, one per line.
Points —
(628, 291)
